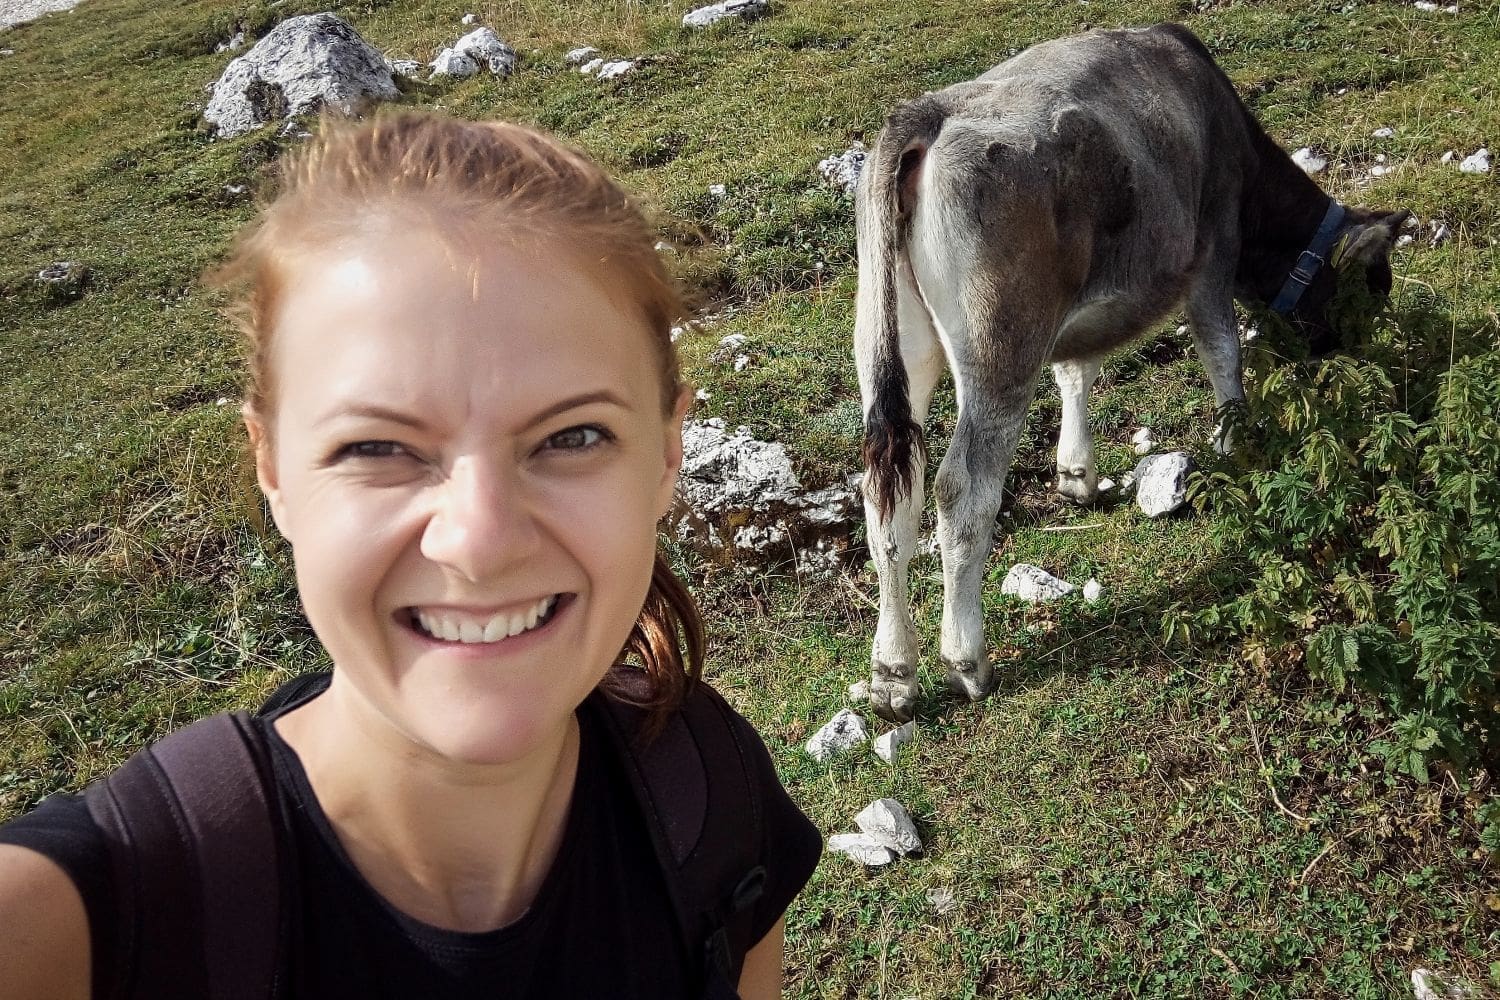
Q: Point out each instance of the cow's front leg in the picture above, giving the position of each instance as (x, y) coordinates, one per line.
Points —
(1216, 339)
(1077, 476)
(968, 488)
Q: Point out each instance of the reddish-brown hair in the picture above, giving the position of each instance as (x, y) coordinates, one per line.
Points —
(501, 181)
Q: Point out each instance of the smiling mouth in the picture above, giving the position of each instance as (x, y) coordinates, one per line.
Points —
(451, 626)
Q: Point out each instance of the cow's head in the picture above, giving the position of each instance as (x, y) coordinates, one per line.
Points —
(1359, 263)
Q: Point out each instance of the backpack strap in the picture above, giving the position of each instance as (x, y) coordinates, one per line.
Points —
(702, 806)
(189, 822)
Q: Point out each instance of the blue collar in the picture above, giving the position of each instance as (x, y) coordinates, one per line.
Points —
(1311, 260)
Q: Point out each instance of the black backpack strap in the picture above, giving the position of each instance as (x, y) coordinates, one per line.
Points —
(703, 807)
(189, 820)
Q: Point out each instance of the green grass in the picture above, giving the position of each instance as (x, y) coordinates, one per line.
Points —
(1123, 817)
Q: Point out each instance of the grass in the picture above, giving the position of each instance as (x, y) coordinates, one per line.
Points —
(1123, 818)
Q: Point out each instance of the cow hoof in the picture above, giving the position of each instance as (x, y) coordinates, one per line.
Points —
(1079, 489)
(974, 680)
(893, 692)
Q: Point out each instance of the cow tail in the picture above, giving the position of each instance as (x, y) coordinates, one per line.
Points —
(893, 441)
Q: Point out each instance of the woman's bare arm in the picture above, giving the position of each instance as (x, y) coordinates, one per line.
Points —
(44, 945)
(761, 977)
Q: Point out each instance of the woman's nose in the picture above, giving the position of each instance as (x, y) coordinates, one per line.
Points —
(481, 524)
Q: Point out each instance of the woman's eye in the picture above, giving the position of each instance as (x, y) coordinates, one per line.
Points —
(372, 449)
(577, 438)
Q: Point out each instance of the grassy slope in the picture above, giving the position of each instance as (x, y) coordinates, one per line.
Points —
(1105, 825)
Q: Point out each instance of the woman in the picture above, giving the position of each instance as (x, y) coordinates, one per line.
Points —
(465, 412)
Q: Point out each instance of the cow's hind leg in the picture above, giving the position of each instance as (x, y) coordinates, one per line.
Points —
(893, 656)
(1077, 477)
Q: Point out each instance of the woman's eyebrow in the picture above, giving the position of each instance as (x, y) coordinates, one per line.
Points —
(374, 411)
(572, 402)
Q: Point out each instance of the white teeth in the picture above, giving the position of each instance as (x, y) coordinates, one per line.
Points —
(454, 628)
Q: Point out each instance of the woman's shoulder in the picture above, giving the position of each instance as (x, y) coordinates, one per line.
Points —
(49, 859)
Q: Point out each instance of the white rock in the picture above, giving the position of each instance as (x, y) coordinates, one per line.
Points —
(1405, 240)
(235, 190)
(862, 848)
(1127, 484)
(1034, 584)
(701, 395)
(1161, 482)
(1439, 233)
(408, 68)
(717, 190)
(468, 19)
(1380, 171)
(1451, 9)
(733, 340)
(1379, 157)
(741, 362)
(7, 52)
(1310, 162)
(61, 273)
(21, 11)
(887, 745)
(616, 68)
(845, 731)
(235, 43)
(1382, 133)
(1477, 162)
(485, 47)
(942, 900)
(859, 692)
(1448, 157)
(592, 66)
(714, 13)
(886, 822)
(1106, 484)
(1429, 985)
(451, 62)
(302, 64)
(1426, 5)
(1143, 440)
(843, 171)
(580, 55)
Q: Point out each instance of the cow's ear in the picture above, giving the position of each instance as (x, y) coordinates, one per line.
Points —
(1370, 241)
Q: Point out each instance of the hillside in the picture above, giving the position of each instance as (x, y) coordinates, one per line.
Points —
(1162, 800)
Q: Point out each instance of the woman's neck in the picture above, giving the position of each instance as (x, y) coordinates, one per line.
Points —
(458, 846)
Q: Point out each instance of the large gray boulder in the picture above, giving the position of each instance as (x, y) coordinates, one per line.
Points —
(740, 502)
(301, 65)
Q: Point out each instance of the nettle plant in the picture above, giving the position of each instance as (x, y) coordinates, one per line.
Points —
(1364, 500)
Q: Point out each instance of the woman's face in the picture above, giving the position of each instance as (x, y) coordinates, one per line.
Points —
(469, 457)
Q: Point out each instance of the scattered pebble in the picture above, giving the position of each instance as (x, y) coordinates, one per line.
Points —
(1448, 157)
(61, 272)
(7, 52)
(467, 19)
(1380, 170)
(1429, 985)
(745, 10)
(717, 190)
(942, 900)
(616, 68)
(887, 745)
(845, 731)
(1034, 584)
(1106, 484)
(887, 823)
(1143, 440)
(1092, 590)
(580, 55)
(591, 66)
(1310, 162)
(1476, 163)
(862, 848)
(235, 190)
(1163, 482)
(451, 62)
(1382, 133)
(408, 68)
(843, 171)
(1405, 240)
(741, 362)
(235, 43)
(1440, 233)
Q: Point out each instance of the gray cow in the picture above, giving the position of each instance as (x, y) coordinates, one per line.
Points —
(1051, 210)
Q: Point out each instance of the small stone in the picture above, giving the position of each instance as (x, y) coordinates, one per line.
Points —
(1379, 157)
(61, 273)
(862, 848)
(7, 52)
(662, 246)
(942, 900)
(451, 62)
(717, 190)
(1127, 484)
(235, 190)
(486, 49)
(741, 362)
(1106, 484)
(1477, 162)
(235, 43)
(1427, 6)
(1163, 482)
(580, 55)
(616, 68)
(733, 340)
(1143, 440)
(1310, 162)
(1380, 171)
(1092, 590)
(1448, 157)
(845, 731)
(745, 10)
(1405, 240)
(1440, 233)
(859, 692)
(1427, 984)
(887, 745)
(592, 66)
(701, 395)
(886, 822)
(1034, 584)
(1382, 133)
(1182, 330)
(467, 19)
(843, 171)
(408, 68)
